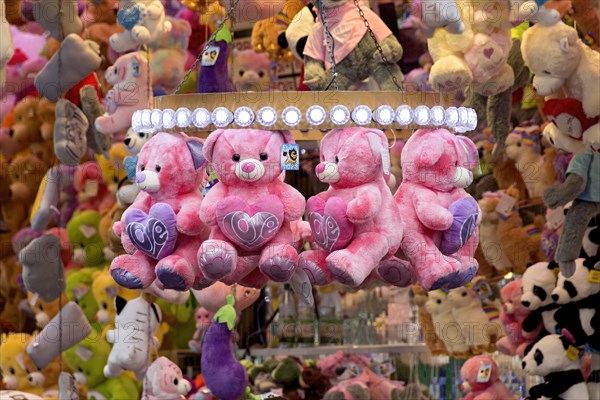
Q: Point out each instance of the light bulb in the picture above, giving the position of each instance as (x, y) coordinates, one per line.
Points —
(404, 115)
(183, 117)
(316, 115)
(200, 118)
(267, 116)
(362, 115)
(339, 115)
(437, 115)
(168, 118)
(422, 115)
(221, 117)
(244, 116)
(291, 116)
(384, 115)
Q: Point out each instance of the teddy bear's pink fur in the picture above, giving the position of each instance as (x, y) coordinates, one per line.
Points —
(355, 222)
(251, 210)
(512, 316)
(435, 170)
(131, 91)
(169, 171)
(473, 371)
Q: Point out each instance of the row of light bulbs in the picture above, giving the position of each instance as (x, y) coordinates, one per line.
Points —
(458, 119)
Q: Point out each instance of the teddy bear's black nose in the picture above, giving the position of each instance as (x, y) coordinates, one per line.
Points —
(11, 132)
(127, 141)
(340, 370)
(525, 303)
(523, 364)
(555, 297)
(10, 193)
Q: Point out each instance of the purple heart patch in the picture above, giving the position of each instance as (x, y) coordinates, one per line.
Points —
(250, 226)
(330, 226)
(465, 213)
(153, 234)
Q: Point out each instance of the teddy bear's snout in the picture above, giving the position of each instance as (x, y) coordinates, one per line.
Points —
(80, 378)
(148, 181)
(327, 172)
(9, 383)
(42, 319)
(249, 170)
(463, 177)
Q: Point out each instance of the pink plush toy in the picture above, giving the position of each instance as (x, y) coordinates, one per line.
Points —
(131, 91)
(355, 222)
(164, 381)
(161, 231)
(441, 219)
(512, 315)
(20, 72)
(250, 210)
(203, 318)
(481, 380)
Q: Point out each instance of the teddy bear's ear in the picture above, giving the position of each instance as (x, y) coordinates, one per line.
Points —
(377, 142)
(468, 151)
(423, 149)
(209, 143)
(287, 137)
(195, 146)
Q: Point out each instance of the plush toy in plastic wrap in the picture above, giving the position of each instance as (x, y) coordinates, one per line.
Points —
(356, 54)
(556, 359)
(133, 338)
(512, 316)
(164, 381)
(355, 223)
(144, 22)
(130, 92)
(161, 230)
(441, 219)
(481, 379)
(251, 71)
(250, 193)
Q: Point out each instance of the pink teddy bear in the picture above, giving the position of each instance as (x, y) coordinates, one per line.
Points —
(250, 210)
(355, 222)
(512, 316)
(165, 381)
(131, 91)
(203, 319)
(481, 380)
(161, 231)
(441, 219)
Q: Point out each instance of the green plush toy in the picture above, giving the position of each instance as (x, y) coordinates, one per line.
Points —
(79, 290)
(180, 318)
(87, 359)
(287, 372)
(84, 236)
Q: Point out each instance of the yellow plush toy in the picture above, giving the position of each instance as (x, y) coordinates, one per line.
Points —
(12, 365)
(45, 379)
(113, 171)
(44, 311)
(105, 289)
(265, 33)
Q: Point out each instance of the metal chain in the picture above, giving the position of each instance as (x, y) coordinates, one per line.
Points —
(211, 40)
(386, 63)
(330, 45)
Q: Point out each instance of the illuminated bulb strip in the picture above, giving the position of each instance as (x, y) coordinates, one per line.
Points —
(459, 120)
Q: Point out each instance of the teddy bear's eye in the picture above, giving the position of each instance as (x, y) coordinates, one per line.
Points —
(263, 156)
(104, 305)
(40, 307)
(236, 157)
(241, 72)
(464, 294)
(337, 159)
(261, 73)
(143, 167)
(27, 370)
(438, 301)
(115, 179)
(175, 381)
(11, 371)
(142, 134)
(518, 144)
(79, 369)
(157, 168)
(546, 72)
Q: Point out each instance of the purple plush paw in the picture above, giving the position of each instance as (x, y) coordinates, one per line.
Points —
(444, 281)
(171, 279)
(316, 275)
(126, 279)
(462, 278)
(278, 269)
(465, 212)
(216, 259)
(395, 272)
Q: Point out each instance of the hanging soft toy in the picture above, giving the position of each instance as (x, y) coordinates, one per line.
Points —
(222, 372)
(250, 210)
(133, 338)
(161, 230)
(441, 218)
(6, 49)
(130, 92)
(144, 22)
(356, 53)
(438, 14)
(356, 222)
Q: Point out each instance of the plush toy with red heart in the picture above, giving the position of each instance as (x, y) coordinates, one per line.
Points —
(250, 210)
(161, 231)
(441, 218)
(355, 223)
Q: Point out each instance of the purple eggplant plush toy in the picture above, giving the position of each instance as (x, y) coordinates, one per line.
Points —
(222, 372)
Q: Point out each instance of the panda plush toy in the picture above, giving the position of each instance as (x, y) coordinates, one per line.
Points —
(538, 283)
(558, 361)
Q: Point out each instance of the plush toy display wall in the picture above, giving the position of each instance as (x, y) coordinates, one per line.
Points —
(176, 226)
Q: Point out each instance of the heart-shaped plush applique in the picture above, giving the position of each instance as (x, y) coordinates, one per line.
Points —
(155, 233)
(250, 226)
(129, 17)
(465, 213)
(330, 226)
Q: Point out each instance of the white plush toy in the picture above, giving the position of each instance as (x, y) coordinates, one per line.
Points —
(554, 358)
(6, 44)
(133, 338)
(578, 286)
(143, 20)
(134, 142)
(164, 381)
(535, 11)
(468, 312)
(440, 14)
(447, 329)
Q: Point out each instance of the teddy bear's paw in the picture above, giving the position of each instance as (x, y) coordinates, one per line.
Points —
(141, 34)
(396, 272)
(450, 73)
(313, 263)
(462, 278)
(347, 267)
(279, 268)
(441, 282)
(132, 272)
(70, 132)
(175, 272)
(217, 259)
